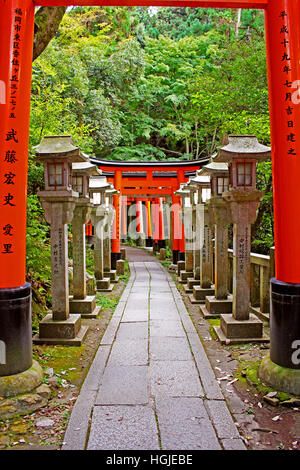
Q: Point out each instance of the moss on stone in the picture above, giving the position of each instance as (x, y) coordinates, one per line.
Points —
(250, 370)
(24, 382)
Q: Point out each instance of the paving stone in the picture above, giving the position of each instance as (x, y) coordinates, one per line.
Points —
(169, 349)
(175, 379)
(211, 387)
(222, 419)
(110, 331)
(123, 428)
(130, 353)
(96, 370)
(233, 444)
(138, 315)
(163, 310)
(185, 425)
(166, 328)
(132, 330)
(124, 385)
(76, 433)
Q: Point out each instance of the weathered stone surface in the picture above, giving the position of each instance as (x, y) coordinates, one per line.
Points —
(169, 349)
(233, 444)
(279, 378)
(132, 331)
(129, 352)
(23, 404)
(26, 381)
(134, 388)
(175, 379)
(120, 267)
(123, 428)
(221, 419)
(166, 329)
(185, 425)
(44, 391)
(45, 423)
(233, 328)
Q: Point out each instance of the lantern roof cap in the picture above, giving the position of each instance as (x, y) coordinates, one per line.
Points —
(182, 191)
(85, 168)
(200, 180)
(99, 182)
(112, 191)
(243, 146)
(213, 167)
(59, 146)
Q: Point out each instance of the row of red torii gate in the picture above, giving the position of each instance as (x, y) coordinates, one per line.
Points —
(147, 208)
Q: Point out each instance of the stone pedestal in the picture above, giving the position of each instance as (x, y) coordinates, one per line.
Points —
(80, 303)
(241, 326)
(141, 239)
(120, 267)
(180, 267)
(60, 327)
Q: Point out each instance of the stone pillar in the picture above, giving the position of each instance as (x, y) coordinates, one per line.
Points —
(107, 230)
(204, 287)
(60, 327)
(220, 302)
(189, 243)
(241, 325)
(80, 302)
(193, 281)
(102, 283)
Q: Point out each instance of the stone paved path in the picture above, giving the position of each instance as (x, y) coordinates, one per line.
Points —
(151, 385)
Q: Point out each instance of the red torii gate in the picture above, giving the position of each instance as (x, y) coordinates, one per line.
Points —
(143, 181)
(283, 43)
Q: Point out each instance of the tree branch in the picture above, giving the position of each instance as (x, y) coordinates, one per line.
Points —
(46, 22)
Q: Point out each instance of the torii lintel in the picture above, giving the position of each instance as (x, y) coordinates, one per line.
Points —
(167, 3)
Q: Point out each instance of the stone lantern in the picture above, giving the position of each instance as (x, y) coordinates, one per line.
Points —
(80, 302)
(98, 186)
(197, 186)
(202, 286)
(242, 155)
(185, 194)
(110, 214)
(221, 301)
(58, 199)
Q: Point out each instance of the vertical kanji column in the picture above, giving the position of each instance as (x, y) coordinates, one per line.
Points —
(16, 38)
(283, 40)
(115, 242)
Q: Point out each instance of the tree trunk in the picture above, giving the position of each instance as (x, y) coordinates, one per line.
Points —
(238, 22)
(47, 21)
